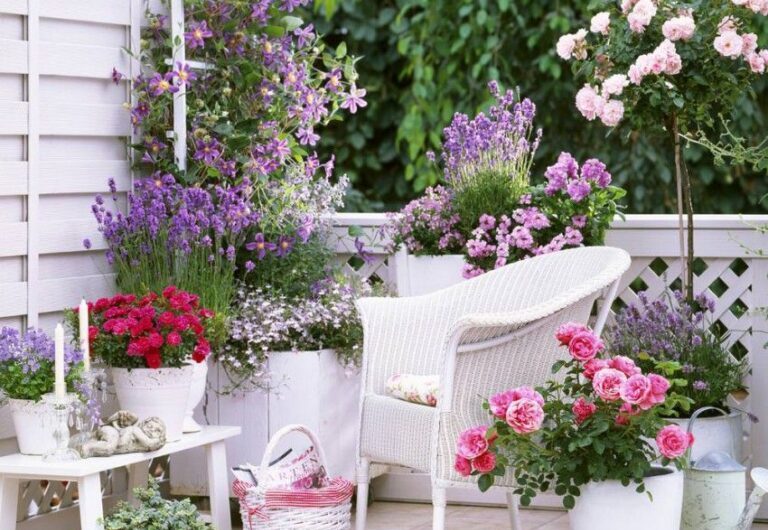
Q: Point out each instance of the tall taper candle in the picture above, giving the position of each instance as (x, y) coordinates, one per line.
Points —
(60, 384)
(84, 343)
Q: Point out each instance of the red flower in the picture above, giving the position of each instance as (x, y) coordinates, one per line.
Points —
(153, 359)
(138, 347)
(173, 339)
(168, 291)
(156, 340)
(93, 332)
(166, 318)
(101, 304)
(207, 313)
(198, 357)
(148, 299)
(203, 346)
(181, 323)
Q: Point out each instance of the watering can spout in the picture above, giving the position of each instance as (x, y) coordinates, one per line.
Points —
(760, 478)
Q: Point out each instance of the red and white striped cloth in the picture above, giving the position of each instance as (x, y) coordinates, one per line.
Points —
(337, 492)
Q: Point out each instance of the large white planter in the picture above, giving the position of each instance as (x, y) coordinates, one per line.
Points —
(718, 433)
(34, 423)
(608, 505)
(196, 394)
(425, 274)
(162, 392)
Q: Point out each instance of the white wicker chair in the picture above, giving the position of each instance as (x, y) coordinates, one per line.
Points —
(482, 336)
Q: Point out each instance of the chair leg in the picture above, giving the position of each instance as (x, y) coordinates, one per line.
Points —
(514, 511)
(438, 508)
(363, 480)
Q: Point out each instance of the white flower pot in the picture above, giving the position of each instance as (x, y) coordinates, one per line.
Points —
(161, 392)
(196, 394)
(425, 274)
(34, 423)
(608, 505)
(718, 433)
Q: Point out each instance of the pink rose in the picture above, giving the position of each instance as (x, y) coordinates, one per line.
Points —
(462, 466)
(613, 112)
(625, 412)
(635, 389)
(584, 346)
(607, 383)
(673, 441)
(589, 102)
(600, 23)
(748, 44)
(567, 331)
(472, 442)
(756, 63)
(525, 416)
(485, 462)
(592, 366)
(658, 393)
(583, 409)
(624, 365)
(729, 44)
(565, 46)
(500, 402)
(679, 28)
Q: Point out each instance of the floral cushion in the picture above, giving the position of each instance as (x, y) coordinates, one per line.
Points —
(420, 389)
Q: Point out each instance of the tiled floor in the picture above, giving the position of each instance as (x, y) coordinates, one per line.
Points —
(401, 516)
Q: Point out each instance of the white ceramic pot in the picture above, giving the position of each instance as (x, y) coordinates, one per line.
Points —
(34, 423)
(161, 392)
(196, 393)
(608, 505)
(425, 274)
(718, 433)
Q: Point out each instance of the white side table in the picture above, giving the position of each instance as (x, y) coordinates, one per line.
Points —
(17, 467)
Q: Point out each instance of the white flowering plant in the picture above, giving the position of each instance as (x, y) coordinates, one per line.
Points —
(668, 67)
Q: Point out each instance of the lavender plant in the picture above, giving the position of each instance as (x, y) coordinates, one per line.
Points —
(670, 328)
(27, 364)
(266, 322)
(176, 235)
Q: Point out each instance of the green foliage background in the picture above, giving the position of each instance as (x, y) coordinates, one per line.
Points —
(423, 60)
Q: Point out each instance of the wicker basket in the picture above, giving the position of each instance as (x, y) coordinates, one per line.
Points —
(264, 507)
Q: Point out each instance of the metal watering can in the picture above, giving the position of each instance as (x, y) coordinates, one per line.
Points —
(715, 490)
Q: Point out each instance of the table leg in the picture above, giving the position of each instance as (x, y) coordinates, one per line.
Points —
(91, 511)
(138, 476)
(218, 486)
(9, 498)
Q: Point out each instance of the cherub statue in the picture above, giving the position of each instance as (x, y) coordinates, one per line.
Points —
(123, 433)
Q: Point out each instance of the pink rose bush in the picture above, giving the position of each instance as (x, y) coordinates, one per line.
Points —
(709, 37)
(600, 408)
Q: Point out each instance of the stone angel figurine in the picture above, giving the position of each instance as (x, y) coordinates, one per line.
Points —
(124, 433)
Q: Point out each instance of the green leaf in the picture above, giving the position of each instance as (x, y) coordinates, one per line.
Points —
(291, 23)
(485, 482)
(341, 50)
(569, 502)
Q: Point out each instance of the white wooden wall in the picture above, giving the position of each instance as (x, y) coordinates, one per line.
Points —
(63, 131)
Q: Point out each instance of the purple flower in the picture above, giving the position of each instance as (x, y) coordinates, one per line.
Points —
(307, 136)
(578, 190)
(249, 266)
(87, 243)
(116, 76)
(260, 246)
(207, 150)
(160, 84)
(579, 221)
(284, 246)
(305, 227)
(700, 386)
(573, 236)
(184, 74)
(354, 99)
(196, 34)
(594, 170)
(561, 173)
(290, 5)
(362, 252)
(304, 35)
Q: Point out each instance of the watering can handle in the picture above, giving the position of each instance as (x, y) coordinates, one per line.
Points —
(693, 419)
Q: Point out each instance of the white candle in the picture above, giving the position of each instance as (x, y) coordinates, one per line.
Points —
(60, 385)
(84, 343)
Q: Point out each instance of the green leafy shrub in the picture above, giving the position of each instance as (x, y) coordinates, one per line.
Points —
(155, 513)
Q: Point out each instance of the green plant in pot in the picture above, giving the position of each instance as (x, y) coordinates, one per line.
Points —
(155, 513)
(670, 328)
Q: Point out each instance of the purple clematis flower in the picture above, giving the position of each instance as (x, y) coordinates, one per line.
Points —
(307, 136)
(354, 99)
(198, 32)
(362, 252)
(87, 244)
(116, 76)
(207, 151)
(160, 84)
(304, 35)
(284, 246)
(184, 73)
(260, 246)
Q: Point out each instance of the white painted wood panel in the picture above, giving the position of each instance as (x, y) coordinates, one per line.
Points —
(13, 178)
(82, 176)
(95, 11)
(15, 115)
(57, 119)
(77, 60)
(14, 242)
(14, 299)
(14, 56)
(15, 7)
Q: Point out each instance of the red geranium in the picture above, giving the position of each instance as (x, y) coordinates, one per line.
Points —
(150, 331)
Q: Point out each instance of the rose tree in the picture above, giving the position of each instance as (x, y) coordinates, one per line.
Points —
(592, 423)
(668, 67)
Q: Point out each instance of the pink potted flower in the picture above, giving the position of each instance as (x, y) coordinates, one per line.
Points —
(588, 435)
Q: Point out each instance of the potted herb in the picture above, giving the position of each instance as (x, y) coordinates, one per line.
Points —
(147, 342)
(26, 377)
(585, 435)
(670, 328)
(155, 512)
(489, 214)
